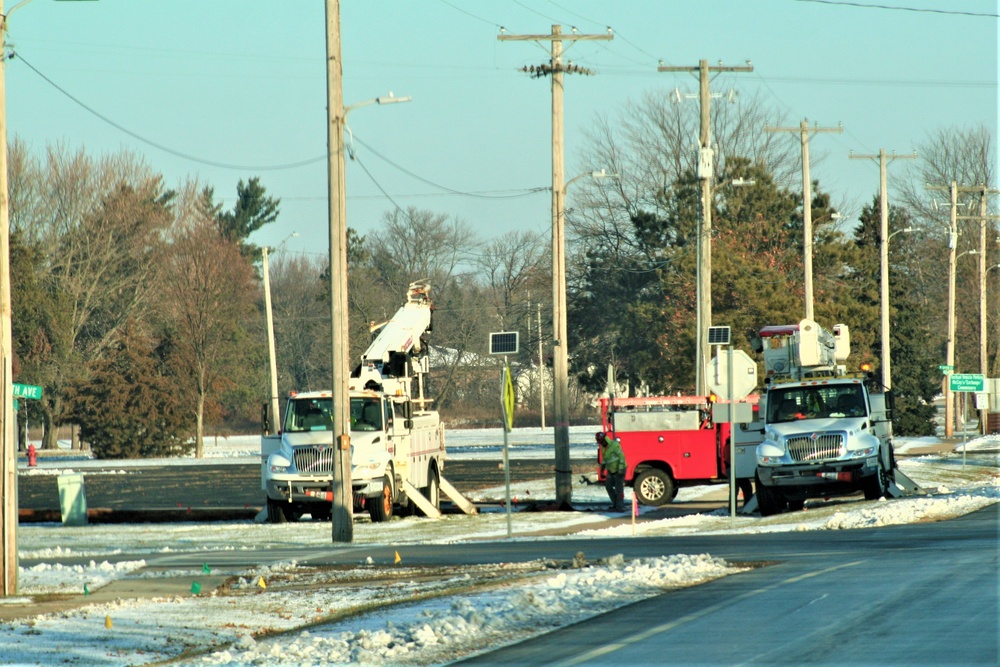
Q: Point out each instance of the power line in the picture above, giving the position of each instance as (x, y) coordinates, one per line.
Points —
(166, 149)
(420, 178)
(862, 5)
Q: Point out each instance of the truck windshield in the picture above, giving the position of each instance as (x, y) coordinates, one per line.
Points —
(315, 414)
(786, 405)
(308, 414)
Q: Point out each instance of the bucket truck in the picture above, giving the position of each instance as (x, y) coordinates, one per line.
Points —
(397, 443)
(824, 433)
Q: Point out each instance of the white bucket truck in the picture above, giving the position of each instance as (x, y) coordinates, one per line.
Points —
(825, 433)
(397, 445)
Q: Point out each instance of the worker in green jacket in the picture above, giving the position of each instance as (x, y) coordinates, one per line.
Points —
(613, 464)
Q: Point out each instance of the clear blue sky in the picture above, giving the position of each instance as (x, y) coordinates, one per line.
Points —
(242, 83)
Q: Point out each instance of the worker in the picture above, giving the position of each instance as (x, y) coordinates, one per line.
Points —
(613, 464)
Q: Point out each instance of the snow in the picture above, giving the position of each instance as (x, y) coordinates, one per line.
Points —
(383, 611)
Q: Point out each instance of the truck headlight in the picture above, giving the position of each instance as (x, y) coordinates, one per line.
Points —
(278, 464)
(769, 453)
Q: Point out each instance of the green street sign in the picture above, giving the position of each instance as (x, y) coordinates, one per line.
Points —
(946, 369)
(27, 391)
(974, 382)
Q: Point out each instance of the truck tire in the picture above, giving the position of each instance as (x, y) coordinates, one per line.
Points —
(276, 511)
(654, 487)
(769, 501)
(380, 507)
(877, 485)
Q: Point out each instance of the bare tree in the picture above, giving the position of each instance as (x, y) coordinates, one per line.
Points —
(100, 222)
(415, 245)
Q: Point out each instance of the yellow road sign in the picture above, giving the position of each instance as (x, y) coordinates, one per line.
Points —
(507, 398)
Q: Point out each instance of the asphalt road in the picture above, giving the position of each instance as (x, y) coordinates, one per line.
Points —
(917, 594)
(232, 485)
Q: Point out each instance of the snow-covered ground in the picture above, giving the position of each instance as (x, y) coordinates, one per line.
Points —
(286, 614)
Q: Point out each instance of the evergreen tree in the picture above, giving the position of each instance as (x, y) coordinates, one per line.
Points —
(915, 377)
(253, 210)
(130, 406)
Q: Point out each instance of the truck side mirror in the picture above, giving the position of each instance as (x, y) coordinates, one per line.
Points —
(265, 423)
(890, 405)
(408, 410)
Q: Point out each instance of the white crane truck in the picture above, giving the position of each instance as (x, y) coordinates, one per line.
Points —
(397, 444)
(825, 433)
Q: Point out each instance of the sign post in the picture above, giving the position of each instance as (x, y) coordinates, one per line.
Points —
(506, 342)
(968, 383)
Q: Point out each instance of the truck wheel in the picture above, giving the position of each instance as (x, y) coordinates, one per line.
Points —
(380, 507)
(654, 487)
(275, 511)
(769, 501)
(877, 485)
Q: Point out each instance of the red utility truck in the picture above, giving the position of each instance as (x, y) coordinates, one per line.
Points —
(671, 441)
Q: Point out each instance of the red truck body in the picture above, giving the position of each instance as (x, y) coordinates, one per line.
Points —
(669, 442)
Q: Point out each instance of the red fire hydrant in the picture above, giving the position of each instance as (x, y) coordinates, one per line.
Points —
(32, 456)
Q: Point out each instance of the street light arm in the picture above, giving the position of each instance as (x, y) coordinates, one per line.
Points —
(596, 175)
(907, 230)
(389, 99)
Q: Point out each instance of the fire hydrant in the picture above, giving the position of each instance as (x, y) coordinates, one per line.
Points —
(32, 456)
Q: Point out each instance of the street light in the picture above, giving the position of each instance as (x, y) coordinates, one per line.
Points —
(560, 352)
(886, 358)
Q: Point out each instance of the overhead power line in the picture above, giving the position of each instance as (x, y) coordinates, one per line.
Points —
(863, 5)
(159, 146)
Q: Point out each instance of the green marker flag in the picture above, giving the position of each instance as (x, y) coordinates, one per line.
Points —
(86, 591)
(195, 587)
(205, 569)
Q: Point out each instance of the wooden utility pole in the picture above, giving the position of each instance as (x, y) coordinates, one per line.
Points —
(984, 221)
(8, 443)
(703, 246)
(343, 499)
(560, 356)
(541, 366)
(883, 161)
(949, 397)
(807, 234)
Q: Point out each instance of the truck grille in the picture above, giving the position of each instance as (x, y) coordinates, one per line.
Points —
(314, 460)
(809, 448)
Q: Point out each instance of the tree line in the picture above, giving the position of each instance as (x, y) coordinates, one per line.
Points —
(139, 307)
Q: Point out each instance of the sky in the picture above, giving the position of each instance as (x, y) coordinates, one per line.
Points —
(291, 597)
(227, 90)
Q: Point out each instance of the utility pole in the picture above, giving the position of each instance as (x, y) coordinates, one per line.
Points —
(275, 421)
(949, 398)
(541, 366)
(984, 220)
(342, 511)
(706, 170)
(560, 354)
(807, 234)
(8, 459)
(883, 162)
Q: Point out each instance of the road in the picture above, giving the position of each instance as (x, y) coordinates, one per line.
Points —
(923, 593)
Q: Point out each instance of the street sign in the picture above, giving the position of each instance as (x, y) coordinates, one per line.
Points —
(507, 399)
(27, 391)
(744, 375)
(974, 382)
(946, 369)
